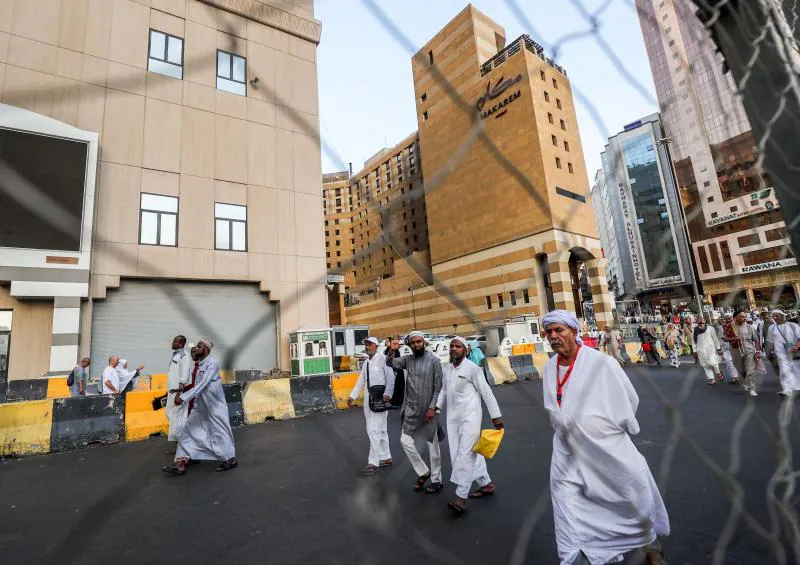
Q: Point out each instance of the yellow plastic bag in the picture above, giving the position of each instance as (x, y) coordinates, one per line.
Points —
(489, 442)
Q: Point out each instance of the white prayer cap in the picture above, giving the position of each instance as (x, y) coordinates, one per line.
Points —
(373, 340)
(416, 333)
(776, 311)
(461, 340)
(566, 318)
(205, 340)
(123, 362)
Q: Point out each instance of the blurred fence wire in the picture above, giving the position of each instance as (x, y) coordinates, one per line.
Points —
(782, 534)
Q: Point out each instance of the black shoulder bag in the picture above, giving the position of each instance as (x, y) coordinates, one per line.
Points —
(375, 396)
(71, 378)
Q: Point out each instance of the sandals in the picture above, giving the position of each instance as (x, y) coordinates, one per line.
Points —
(228, 465)
(733, 382)
(720, 378)
(173, 469)
(487, 490)
(458, 506)
(385, 463)
(711, 382)
(433, 488)
(421, 481)
(369, 470)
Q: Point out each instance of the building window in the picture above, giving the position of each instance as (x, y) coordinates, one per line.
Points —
(513, 296)
(424, 96)
(166, 54)
(499, 300)
(488, 302)
(425, 116)
(546, 96)
(430, 56)
(566, 146)
(526, 296)
(558, 162)
(554, 140)
(230, 227)
(774, 235)
(570, 194)
(541, 74)
(569, 168)
(726, 255)
(563, 124)
(231, 73)
(558, 103)
(748, 240)
(701, 252)
(549, 117)
(158, 220)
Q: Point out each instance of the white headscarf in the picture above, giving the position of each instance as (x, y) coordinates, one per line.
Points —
(461, 340)
(566, 318)
(779, 311)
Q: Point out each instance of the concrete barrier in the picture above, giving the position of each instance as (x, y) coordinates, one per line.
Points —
(3, 389)
(25, 427)
(540, 359)
(26, 389)
(82, 420)
(233, 396)
(248, 376)
(228, 377)
(632, 350)
(311, 394)
(501, 370)
(267, 400)
(158, 381)
(523, 349)
(523, 367)
(141, 421)
(57, 388)
(342, 385)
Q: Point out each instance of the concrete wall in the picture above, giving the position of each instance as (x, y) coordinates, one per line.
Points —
(31, 330)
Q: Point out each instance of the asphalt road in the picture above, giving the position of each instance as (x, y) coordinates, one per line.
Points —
(297, 496)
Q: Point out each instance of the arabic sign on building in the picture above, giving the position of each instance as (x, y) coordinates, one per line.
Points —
(630, 235)
(493, 92)
(768, 266)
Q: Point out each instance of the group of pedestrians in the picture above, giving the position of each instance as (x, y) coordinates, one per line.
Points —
(606, 505)
(116, 377)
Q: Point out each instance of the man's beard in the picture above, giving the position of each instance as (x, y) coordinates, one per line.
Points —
(418, 352)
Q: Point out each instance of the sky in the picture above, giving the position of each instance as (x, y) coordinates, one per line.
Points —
(367, 93)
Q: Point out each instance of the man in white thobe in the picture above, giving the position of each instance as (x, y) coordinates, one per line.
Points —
(178, 375)
(708, 349)
(463, 387)
(109, 381)
(784, 340)
(207, 433)
(612, 340)
(605, 502)
(726, 329)
(375, 373)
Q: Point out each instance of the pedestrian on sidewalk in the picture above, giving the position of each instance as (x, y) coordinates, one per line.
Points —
(784, 338)
(79, 376)
(109, 381)
(606, 505)
(392, 351)
(463, 389)
(708, 349)
(726, 334)
(766, 346)
(375, 379)
(673, 341)
(126, 377)
(419, 421)
(613, 341)
(746, 350)
(207, 433)
(649, 346)
(178, 376)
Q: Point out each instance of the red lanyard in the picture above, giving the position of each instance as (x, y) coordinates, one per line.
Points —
(562, 382)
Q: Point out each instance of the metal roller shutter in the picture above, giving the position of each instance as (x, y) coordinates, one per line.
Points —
(139, 320)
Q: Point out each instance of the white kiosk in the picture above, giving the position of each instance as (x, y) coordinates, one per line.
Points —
(310, 350)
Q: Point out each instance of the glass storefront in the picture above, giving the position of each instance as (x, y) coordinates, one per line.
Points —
(5, 342)
(649, 200)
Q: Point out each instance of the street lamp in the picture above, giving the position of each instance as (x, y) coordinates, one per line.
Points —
(665, 143)
(413, 306)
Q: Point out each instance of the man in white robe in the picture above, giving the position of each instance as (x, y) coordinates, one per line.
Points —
(708, 349)
(109, 381)
(725, 328)
(207, 433)
(463, 387)
(784, 339)
(375, 373)
(125, 376)
(605, 501)
(178, 375)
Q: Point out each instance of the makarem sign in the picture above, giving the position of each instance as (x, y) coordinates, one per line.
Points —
(503, 91)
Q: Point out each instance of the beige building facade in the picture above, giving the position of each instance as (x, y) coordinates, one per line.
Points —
(510, 225)
(198, 201)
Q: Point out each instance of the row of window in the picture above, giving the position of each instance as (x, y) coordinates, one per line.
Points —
(165, 57)
(158, 223)
(512, 295)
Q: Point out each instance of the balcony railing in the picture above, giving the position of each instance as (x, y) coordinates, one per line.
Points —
(512, 49)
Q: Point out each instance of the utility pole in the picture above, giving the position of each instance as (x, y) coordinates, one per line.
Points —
(413, 307)
(759, 50)
(665, 142)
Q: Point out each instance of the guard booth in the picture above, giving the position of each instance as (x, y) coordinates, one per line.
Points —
(311, 352)
(349, 340)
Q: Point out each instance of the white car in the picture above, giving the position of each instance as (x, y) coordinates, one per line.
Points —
(441, 349)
